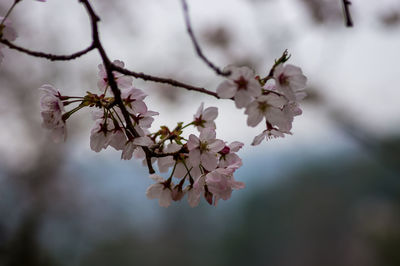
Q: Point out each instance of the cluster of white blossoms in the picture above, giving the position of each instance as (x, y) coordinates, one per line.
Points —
(275, 98)
(198, 165)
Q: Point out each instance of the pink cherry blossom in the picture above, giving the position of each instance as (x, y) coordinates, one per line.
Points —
(241, 85)
(268, 134)
(160, 190)
(123, 81)
(132, 144)
(229, 156)
(203, 150)
(117, 139)
(290, 81)
(193, 195)
(133, 99)
(205, 118)
(100, 134)
(51, 112)
(221, 182)
(145, 120)
(268, 106)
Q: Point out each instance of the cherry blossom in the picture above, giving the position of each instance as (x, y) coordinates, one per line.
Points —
(290, 81)
(100, 134)
(51, 112)
(221, 182)
(268, 106)
(268, 134)
(123, 82)
(160, 190)
(229, 156)
(203, 150)
(241, 86)
(205, 118)
(133, 99)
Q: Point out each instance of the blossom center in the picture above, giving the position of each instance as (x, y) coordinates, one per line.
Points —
(263, 106)
(203, 147)
(284, 80)
(241, 83)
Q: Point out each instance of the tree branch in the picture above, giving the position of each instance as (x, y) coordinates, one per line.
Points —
(163, 80)
(51, 57)
(196, 44)
(347, 15)
(111, 81)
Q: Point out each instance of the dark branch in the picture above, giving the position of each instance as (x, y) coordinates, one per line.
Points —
(113, 85)
(347, 15)
(196, 44)
(51, 57)
(172, 82)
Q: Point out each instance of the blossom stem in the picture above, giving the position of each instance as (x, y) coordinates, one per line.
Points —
(69, 102)
(188, 172)
(173, 170)
(68, 114)
(8, 13)
(120, 120)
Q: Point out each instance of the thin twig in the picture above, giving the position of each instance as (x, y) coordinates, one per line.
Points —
(347, 15)
(172, 82)
(196, 44)
(51, 57)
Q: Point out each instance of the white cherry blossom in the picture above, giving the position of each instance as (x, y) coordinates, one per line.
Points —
(229, 156)
(52, 111)
(123, 81)
(268, 106)
(268, 134)
(160, 190)
(241, 85)
(290, 81)
(204, 118)
(203, 150)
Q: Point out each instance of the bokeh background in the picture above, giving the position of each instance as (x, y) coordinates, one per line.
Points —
(328, 195)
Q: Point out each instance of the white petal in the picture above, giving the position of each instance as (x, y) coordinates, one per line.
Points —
(210, 113)
(242, 98)
(156, 178)
(226, 89)
(193, 142)
(257, 140)
(216, 145)
(236, 146)
(209, 161)
(207, 134)
(165, 198)
(143, 141)
(154, 191)
(194, 157)
(255, 118)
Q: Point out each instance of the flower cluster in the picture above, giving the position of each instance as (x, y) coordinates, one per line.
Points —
(206, 163)
(111, 127)
(198, 165)
(275, 98)
(201, 164)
